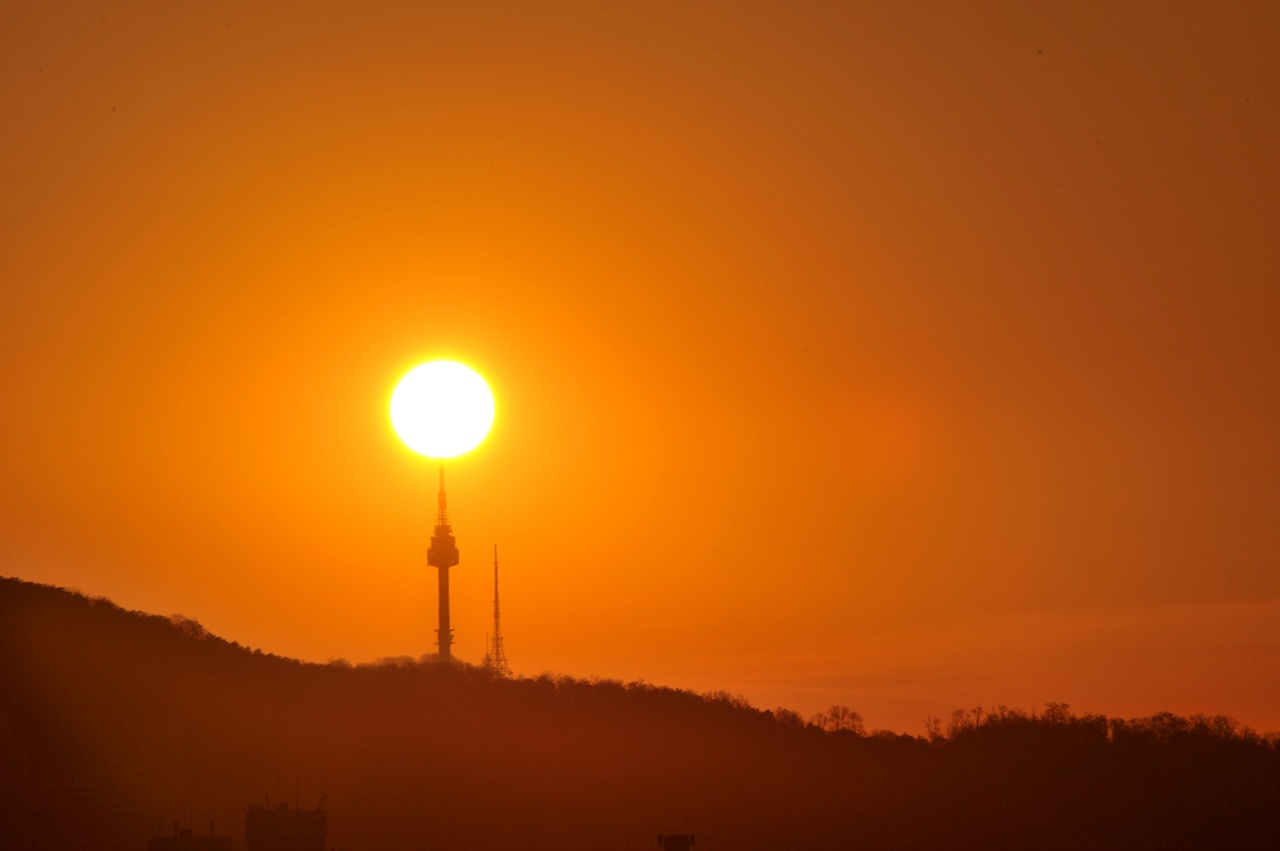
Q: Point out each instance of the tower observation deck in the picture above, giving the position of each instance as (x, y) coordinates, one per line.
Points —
(442, 555)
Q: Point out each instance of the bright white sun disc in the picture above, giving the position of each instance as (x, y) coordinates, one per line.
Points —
(442, 409)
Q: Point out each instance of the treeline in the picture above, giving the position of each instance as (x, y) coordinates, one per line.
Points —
(1053, 719)
(113, 724)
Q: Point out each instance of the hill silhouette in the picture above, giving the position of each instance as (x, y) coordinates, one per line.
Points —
(114, 724)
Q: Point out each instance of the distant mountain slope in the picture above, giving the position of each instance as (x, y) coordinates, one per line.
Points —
(115, 723)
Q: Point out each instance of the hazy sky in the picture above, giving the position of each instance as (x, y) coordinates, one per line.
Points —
(908, 356)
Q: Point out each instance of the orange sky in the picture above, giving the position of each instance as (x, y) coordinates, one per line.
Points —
(904, 356)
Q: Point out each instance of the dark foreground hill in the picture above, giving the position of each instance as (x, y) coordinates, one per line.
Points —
(113, 724)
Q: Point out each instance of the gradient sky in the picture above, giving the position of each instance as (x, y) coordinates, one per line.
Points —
(907, 356)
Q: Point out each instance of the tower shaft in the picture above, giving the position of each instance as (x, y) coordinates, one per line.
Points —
(442, 555)
(444, 635)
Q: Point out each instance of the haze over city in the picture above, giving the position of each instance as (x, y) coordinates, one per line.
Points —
(900, 356)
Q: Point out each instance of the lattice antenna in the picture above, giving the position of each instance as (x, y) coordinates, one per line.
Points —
(495, 661)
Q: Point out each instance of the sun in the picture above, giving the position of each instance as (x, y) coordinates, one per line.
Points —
(442, 409)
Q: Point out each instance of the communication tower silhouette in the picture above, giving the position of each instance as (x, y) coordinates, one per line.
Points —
(443, 555)
(495, 660)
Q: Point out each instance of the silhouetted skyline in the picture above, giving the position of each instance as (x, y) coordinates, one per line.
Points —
(118, 723)
(885, 355)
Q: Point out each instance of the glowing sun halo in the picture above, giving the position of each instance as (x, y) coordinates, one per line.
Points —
(442, 409)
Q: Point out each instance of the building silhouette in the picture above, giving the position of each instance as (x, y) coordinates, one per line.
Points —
(183, 840)
(283, 829)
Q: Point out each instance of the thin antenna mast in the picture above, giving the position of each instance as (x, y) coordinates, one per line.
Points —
(495, 661)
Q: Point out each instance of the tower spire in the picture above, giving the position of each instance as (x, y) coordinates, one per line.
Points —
(442, 507)
(495, 661)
